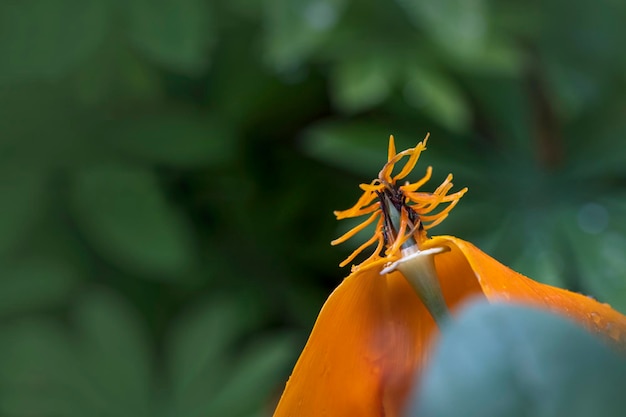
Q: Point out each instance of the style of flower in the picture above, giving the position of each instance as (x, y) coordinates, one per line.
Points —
(374, 333)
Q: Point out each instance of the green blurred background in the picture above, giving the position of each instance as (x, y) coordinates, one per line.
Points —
(168, 171)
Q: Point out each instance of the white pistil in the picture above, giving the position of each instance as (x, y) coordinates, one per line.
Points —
(409, 254)
(418, 267)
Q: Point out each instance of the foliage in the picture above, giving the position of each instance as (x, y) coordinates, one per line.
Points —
(169, 169)
(509, 360)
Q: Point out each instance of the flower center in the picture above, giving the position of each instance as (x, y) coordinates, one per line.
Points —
(392, 204)
(400, 213)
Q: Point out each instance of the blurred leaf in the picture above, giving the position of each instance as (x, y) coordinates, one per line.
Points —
(255, 376)
(46, 39)
(360, 84)
(209, 375)
(178, 34)
(38, 362)
(597, 237)
(435, 94)
(198, 343)
(529, 241)
(462, 221)
(115, 354)
(499, 56)
(457, 26)
(42, 129)
(247, 8)
(504, 360)
(244, 95)
(577, 52)
(35, 283)
(542, 260)
(294, 29)
(23, 200)
(572, 89)
(126, 217)
(505, 105)
(516, 19)
(179, 139)
(359, 147)
(117, 73)
(103, 369)
(596, 146)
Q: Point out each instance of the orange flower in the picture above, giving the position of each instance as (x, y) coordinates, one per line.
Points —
(374, 332)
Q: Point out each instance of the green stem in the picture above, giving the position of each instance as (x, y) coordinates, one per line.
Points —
(421, 274)
(418, 267)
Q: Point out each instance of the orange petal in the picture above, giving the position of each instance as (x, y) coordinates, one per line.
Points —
(369, 339)
(373, 333)
(499, 282)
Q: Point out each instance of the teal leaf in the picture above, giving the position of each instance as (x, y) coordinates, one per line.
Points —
(178, 34)
(504, 360)
(125, 216)
(46, 39)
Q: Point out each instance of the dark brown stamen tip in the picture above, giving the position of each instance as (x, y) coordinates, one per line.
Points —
(392, 202)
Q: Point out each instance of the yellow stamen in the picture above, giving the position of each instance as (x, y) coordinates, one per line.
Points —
(359, 250)
(392, 148)
(363, 201)
(442, 216)
(355, 230)
(416, 185)
(406, 199)
(410, 164)
(372, 187)
(375, 255)
(397, 244)
(404, 237)
(385, 174)
(357, 213)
